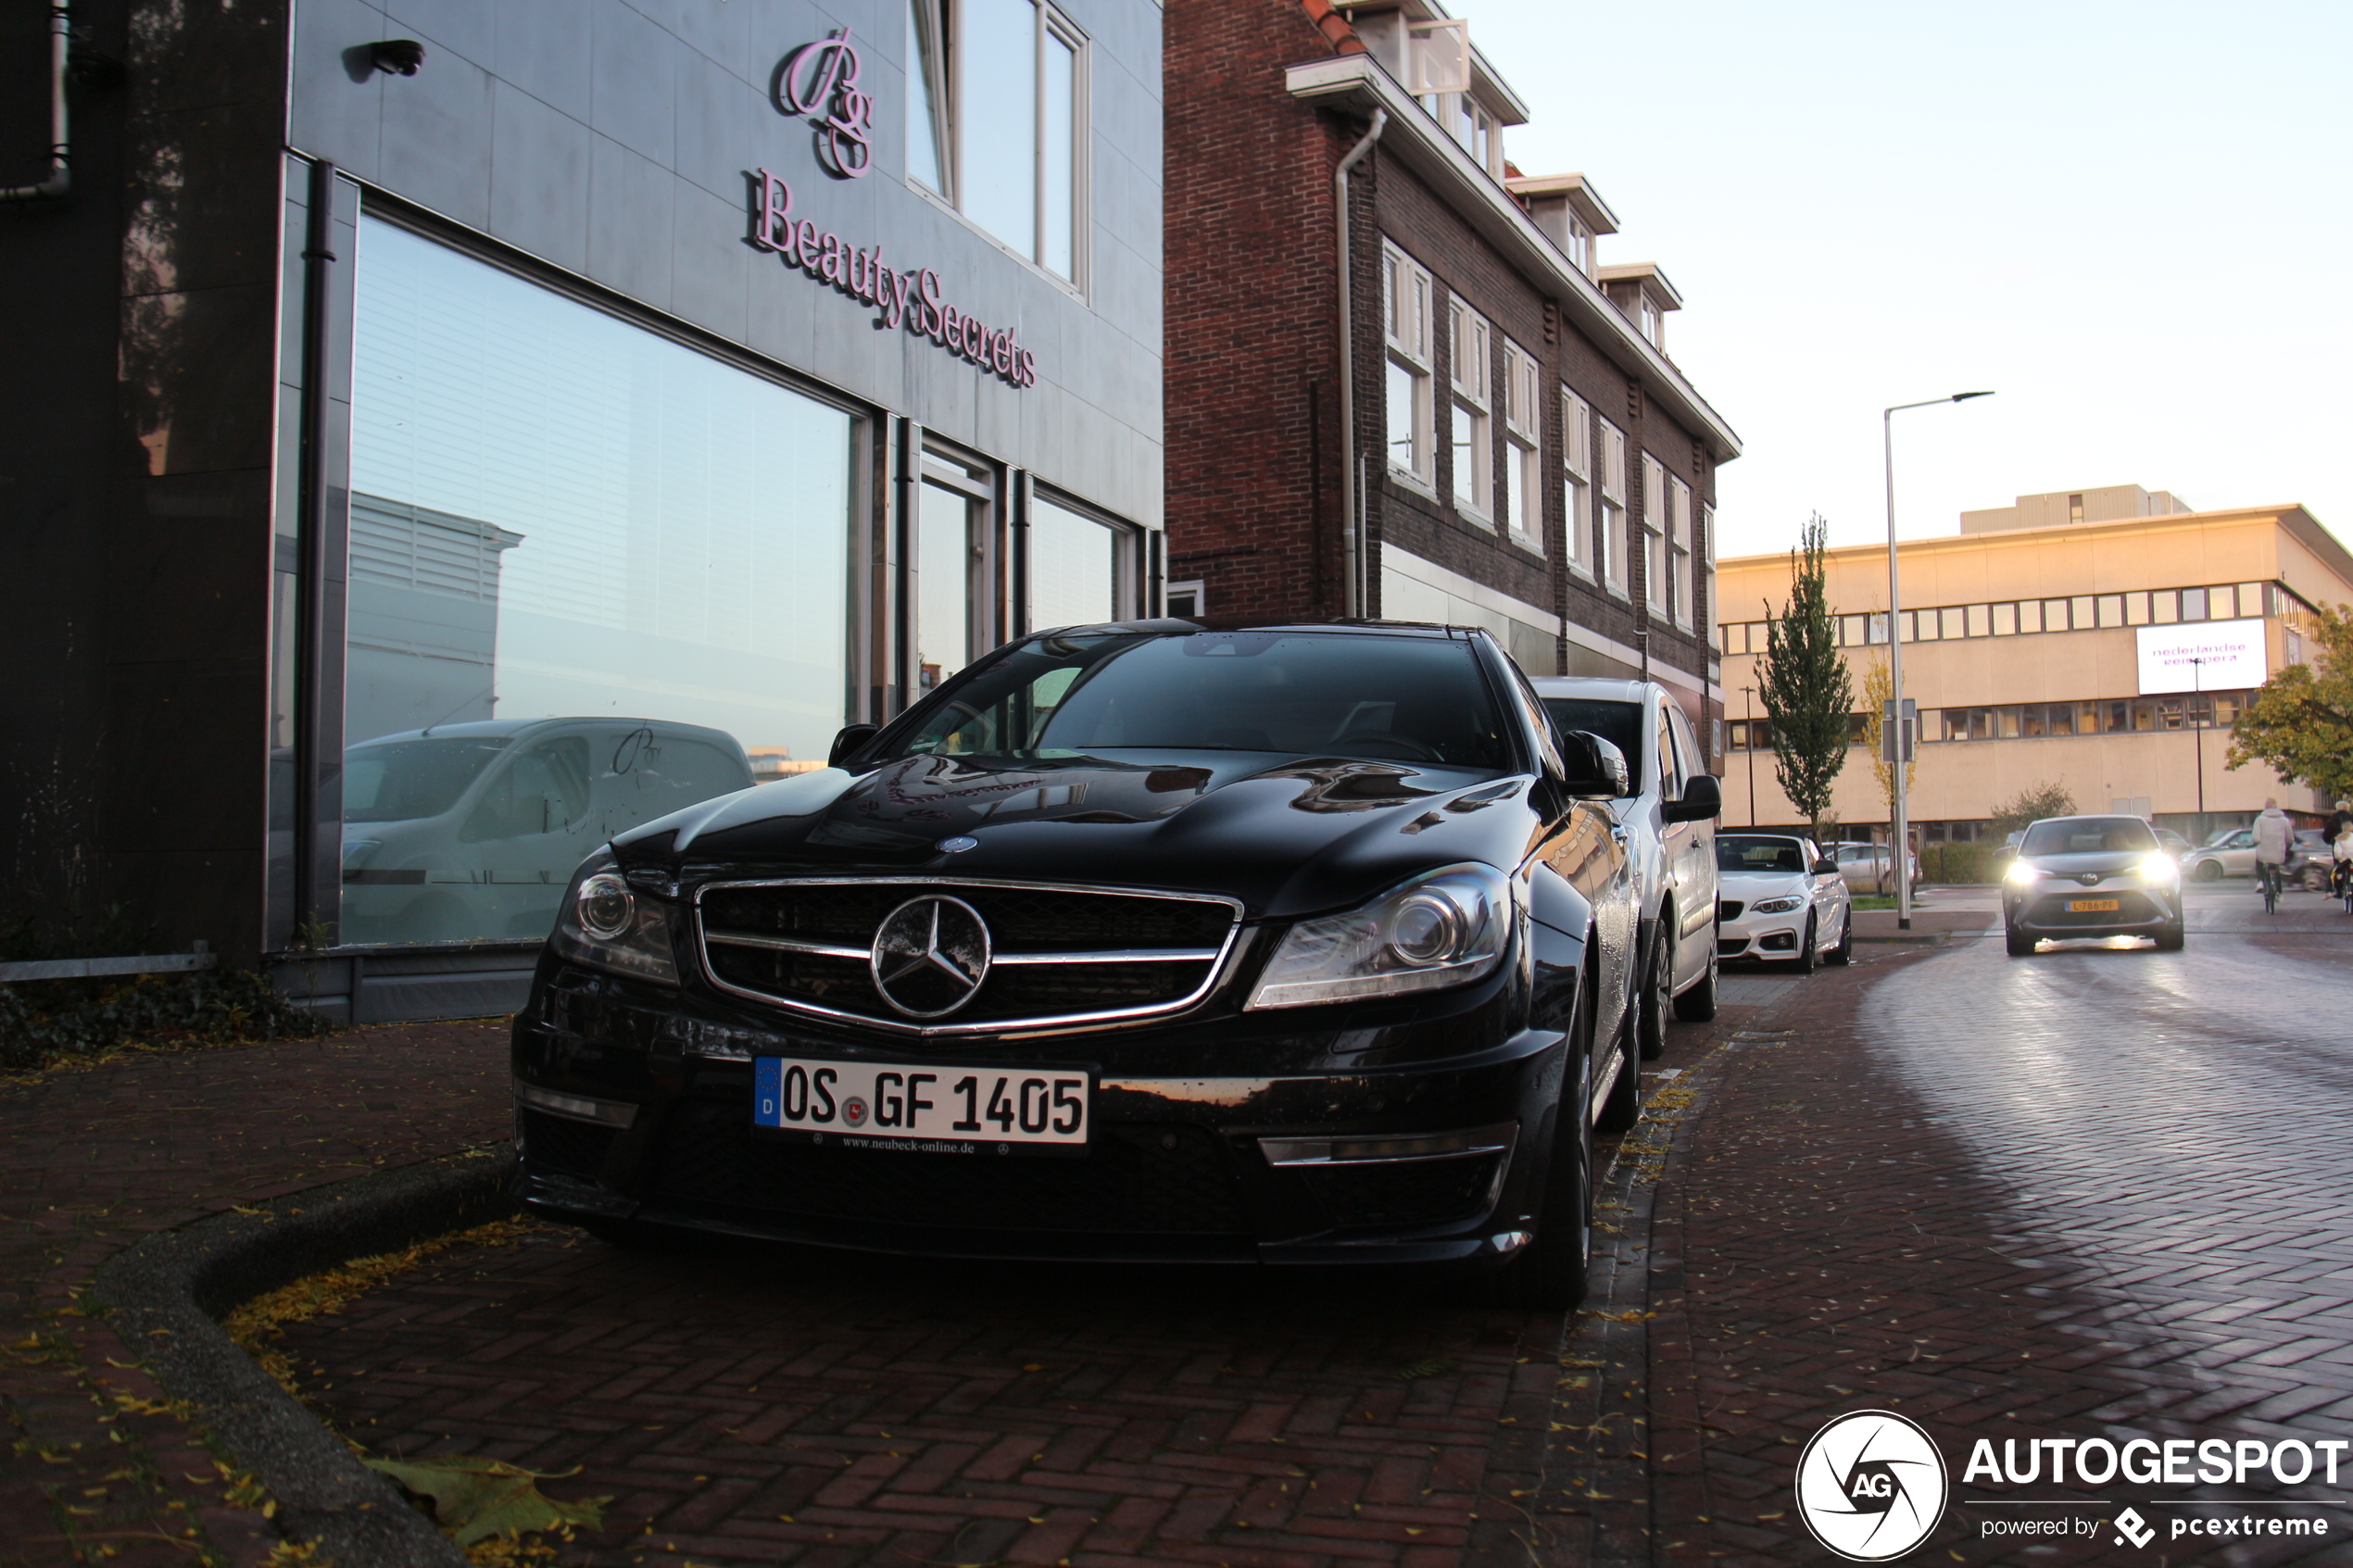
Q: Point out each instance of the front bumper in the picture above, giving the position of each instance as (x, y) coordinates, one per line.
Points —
(1770, 938)
(2043, 909)
(635, 1104)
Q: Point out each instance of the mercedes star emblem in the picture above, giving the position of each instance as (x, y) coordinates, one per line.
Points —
(930, 955)
(958, 844)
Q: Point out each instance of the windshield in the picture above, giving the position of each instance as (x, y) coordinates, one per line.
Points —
(413, 778)
(1300, 694)
(1747, 854)
(2088, 836)
(1621, 723)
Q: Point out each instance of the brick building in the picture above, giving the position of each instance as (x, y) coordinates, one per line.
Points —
(1504, 442)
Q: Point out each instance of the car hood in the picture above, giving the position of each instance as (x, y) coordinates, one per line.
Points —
(2104, 862)
(1753, 885)
(1287, 835)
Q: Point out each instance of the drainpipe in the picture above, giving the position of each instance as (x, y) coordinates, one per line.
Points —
(60, 178)
(1351, 526)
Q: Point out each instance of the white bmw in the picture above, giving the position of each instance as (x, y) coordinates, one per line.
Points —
(1779, 899)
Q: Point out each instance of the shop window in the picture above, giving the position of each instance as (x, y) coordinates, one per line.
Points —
(1577, 481)
(1405, 303)
(1522, 481)
(1006, 144)
(1472, 422)
(589, 568)
(1613, 518)
(1078, 570)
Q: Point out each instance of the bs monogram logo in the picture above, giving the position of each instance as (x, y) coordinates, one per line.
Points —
(824, 76)
(1872, 1485)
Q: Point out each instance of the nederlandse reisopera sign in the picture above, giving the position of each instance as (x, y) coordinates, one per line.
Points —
(2203, 655)
(824, 76)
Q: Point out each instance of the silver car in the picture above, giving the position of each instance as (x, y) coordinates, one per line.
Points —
(2226, 854)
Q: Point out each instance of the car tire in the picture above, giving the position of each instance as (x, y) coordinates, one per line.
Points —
(2169, 937)
(1844, 952)
(2020, 944)
(2206, 870)
(1698, 1004)
(1807, 958)
(1658, 983)
(1548, 1275)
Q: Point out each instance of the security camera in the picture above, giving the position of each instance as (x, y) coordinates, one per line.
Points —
(400, 57)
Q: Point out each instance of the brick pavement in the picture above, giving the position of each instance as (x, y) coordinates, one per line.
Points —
(96, 1157)
(2085, 1194)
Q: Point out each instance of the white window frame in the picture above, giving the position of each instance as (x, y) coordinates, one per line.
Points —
(1523, 444)
(1470, 370)
(944, 64)
(1612, 458)
(1654, 584)
(1577, 482)
(1407, 289)
(1707, 547)
(1678, 551)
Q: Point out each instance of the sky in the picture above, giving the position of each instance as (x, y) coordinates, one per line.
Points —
(2131, 221)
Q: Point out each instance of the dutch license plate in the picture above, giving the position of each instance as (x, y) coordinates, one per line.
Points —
(936, 1110)
(2090, 906)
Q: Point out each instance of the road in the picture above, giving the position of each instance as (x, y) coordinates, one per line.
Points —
(2097, 1192)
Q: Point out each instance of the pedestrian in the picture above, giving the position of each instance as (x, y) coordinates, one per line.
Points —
(2273, 834)
(2339, 820)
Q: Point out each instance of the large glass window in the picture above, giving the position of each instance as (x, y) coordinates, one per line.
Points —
(590, 568)
(1577, 480)
(1654, 503)
(946, 545)
(1473, 451)
(1522, 480)
(1007, 145)
(1406, 306)
(1613, 518)
(1075, 569)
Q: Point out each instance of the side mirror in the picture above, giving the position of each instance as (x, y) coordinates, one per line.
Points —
(851, 738)
(1703, 801)
(1825, 868)
(1594, 769)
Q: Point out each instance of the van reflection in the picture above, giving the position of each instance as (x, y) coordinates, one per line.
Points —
(463, 831)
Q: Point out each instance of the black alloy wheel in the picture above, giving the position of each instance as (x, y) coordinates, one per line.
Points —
(1698, 1004)
(1844, 952)
(1548, 1275)
(1806, 956)
(1650, 1021)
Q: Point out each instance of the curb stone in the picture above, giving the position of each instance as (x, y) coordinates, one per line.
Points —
(164, 1294)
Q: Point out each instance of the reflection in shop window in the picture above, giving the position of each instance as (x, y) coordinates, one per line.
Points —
(944, 560)
(589, 567)
(1073, 569)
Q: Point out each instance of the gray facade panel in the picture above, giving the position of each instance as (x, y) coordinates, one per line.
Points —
(676, 103)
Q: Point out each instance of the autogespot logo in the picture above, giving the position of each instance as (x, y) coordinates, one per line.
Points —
(1872, 1485)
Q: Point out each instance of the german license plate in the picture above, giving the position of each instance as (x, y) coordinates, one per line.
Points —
(2090, 906)
(936, 1110)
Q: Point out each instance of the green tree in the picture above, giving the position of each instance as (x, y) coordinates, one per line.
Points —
(1803, 683)
(2032, 805)
(2300, 723)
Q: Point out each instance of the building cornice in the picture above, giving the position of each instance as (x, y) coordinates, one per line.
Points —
(1357, 82)
(2300, 524)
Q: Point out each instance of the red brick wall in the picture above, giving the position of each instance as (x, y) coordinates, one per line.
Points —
(1252, 330)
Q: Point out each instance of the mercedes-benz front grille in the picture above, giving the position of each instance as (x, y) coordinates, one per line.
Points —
(1055, 953)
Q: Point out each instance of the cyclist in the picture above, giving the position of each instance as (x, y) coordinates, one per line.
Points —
(2273, 834)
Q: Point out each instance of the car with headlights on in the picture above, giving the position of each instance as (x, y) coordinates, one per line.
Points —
(1783, 901)
(1286, 945)
(2091, 876)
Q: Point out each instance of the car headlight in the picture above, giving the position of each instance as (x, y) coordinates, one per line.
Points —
(2022, 874)
(1443, 928)
(2159, 867)
(605, 921)
(1775, 906)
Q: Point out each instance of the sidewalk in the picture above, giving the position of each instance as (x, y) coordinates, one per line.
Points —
(94, 1158)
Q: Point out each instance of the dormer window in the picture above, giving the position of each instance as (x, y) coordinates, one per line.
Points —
(1643, 291)
(1570, 212)
(1652, 322)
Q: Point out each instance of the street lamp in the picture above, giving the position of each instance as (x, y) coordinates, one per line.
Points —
(2197, 734)
(1748, 717)
(1899, 849)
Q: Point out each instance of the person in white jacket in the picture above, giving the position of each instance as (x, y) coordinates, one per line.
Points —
(2273, 834)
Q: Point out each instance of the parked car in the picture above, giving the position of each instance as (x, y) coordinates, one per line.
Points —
(1669, 818)
(2172, 843)
(1783, 901)
(473, 829)
(1868, 868)
(2311, 860)
(1290, 945)
(2091, 876)
(2228, 853)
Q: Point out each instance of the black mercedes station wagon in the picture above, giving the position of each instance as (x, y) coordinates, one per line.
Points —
(1286, 945)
